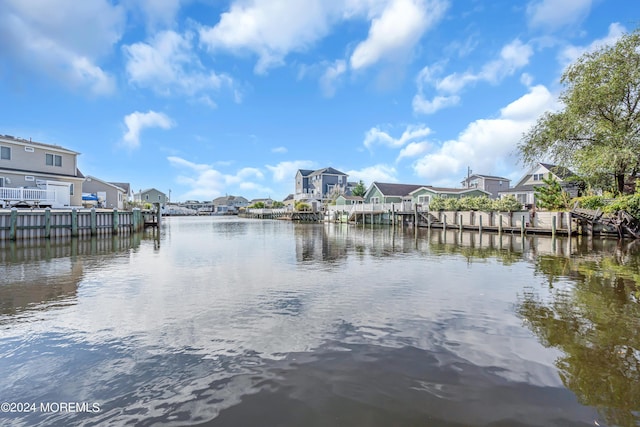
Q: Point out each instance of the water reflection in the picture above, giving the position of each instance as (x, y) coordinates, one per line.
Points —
(591, 311)
(239, 322)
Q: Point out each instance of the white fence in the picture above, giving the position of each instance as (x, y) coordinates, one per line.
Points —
(35, 195)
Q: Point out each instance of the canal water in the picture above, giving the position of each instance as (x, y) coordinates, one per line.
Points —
(229, 322)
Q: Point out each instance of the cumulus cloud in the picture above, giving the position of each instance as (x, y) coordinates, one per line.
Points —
(64, 39)
(136, 122)
(273, 29)
(413, 149)
(487, 145)
(376, 136)
(167, 63)
(396, 31)
(570, 53)
(513, 57)
(547, 15)
(286, 171)
(369, 174)
(332, 76)
(207, 183)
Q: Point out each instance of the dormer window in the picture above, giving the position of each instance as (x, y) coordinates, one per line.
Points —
(538, 176)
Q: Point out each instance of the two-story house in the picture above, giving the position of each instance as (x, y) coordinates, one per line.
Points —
(524, 189)
(37, 174)
(489, 183)
(319, 185)
(229, 204)
(151, 195)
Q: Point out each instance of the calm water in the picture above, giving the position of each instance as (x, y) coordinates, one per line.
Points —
(231, 322)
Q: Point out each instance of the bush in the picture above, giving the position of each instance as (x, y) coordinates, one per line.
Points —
(590, 202)
(302, 206)
(436, 204)
(451, 204)
(507, 204)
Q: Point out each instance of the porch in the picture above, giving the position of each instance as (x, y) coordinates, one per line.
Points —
(32, 197)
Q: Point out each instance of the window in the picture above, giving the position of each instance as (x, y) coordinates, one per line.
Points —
(424, 200)
(53, 160)
(340, 180)
(375, 200)
(1, 181)
(71, 189)
(146, 197)
(538, 176)
(5, 153)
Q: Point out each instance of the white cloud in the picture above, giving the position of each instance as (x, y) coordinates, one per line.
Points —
(286, 171)
(396, 31)
(513, 57)
(487, 145)
(376, 136)
(570, 53)
(413, 149)
(63, 39)
(159, 13)
(270, 29)
(136, 122)
(548, 14)
(332, 76)
(167, 63)
(206, 183)
(379, 173)
(280, 150)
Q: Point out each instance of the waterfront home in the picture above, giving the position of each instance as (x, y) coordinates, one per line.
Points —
(348, 200)
(151, 195)
(229, 204)
(109, 194)
(380, 192)
(289, 202)
(268, 202)
(489, 183)
(37, 174)
(319, 185)
(524, 189)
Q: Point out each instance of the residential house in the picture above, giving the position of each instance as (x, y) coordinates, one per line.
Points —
(380, 192)
(268, 203)
(197, 206)
(289, 202)
(229, 204)
(109, 194)
(489, 183)
(35, 173)
(151, 195)
(348, 200)
(319, 185)
(524, 189)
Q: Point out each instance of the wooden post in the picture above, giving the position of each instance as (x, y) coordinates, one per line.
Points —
(429, 220)
(393, 214)
(500, 225)
(460, 222)
(47, 223)
(415, 215)
(553, 225)
(115, 221)
(568, 219)
(13, 224)
(134, 219)
(74, 222)
(444, 223)
(522, 226)
(94, 222)
(159, 219)
(480, 224)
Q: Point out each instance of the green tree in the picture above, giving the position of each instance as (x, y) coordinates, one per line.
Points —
(277, 205)
(257, 205)
(550, 195)
(598, 130)
(359, 189)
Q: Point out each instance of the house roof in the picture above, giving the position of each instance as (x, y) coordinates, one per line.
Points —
(305, 172)
(348, 197)
(400, 190)
(487, 176)
(223, 200)
(330, 171)
(449, 190)
(559, 171)
(12, 138)
(110, 184)
(124, 185)
(289, 197)
(151, 189)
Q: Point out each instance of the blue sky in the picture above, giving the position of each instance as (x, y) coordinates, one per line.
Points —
(211, 97)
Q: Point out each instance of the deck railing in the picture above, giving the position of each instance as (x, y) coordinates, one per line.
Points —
(377, 207)
(8, 194)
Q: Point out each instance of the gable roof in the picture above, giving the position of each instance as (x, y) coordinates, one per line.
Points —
(559, 171)
(391, 189)
(124, 185)
(305, 172)
(486, 176)
(330, 171)
(449, 190)
(110, 184)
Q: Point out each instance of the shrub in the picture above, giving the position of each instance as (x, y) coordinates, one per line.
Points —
(590, 202)
(507, 204)
(302, 206)
(436, 204)
(451, 204)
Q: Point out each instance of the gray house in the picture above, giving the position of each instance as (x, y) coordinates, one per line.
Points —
(38, 174)
(229, 204)
(109, 194)
(319, 185)
(489, 183)
(151, 195)
(524, 189)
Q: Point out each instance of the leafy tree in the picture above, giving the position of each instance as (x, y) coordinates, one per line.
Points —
(551, 196)
(257, 205)
(359, 189)
(277, 205)
(302, 206)
(598, 131)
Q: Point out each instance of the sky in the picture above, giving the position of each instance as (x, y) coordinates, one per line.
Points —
(206, 98)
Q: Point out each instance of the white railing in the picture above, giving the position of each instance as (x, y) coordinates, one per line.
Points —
(377, 207)
(264, 211)
(8, 194)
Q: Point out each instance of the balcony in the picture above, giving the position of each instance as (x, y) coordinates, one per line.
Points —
(30, 196)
